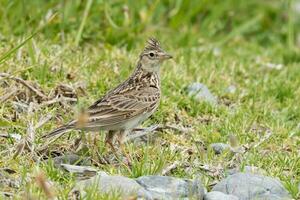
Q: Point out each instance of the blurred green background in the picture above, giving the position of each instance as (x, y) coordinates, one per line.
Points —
(185, 23)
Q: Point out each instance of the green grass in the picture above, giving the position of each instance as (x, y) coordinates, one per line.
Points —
(216, 43)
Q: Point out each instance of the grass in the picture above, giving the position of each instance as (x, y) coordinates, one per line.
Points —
(96, 44)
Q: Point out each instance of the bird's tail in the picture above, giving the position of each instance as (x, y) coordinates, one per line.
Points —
(59, 131)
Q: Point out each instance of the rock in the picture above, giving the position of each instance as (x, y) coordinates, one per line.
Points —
(7, 181)
(215, 195)
(71, 159)
(104, 184)
(82, 172)
(247, 169)
(219, 147)
(230, 89)
(145, 187)
(164, 187)
(201, 93)
(248, 186)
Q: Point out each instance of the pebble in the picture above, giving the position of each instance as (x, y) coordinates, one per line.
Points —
(219, 147)
(70, 159)
(247, 186)
(200, 92)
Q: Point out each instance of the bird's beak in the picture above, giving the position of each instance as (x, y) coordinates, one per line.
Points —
(165, 56)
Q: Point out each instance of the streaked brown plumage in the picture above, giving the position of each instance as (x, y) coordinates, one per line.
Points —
(130, 103)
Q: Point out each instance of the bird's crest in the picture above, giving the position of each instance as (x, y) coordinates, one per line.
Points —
(152, 44)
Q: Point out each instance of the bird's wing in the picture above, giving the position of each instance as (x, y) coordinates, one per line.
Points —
(122, 106)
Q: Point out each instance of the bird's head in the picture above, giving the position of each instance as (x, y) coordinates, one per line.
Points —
(152, 56)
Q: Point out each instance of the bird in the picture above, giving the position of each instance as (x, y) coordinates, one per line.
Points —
(126, 106)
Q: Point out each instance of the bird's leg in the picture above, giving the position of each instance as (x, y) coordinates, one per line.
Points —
(109, 139)
(121, 138)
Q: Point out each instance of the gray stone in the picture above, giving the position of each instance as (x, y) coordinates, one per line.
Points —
(215, 195)
(164, 187)
(247, 186)
(230, 89)
(201, 93)
(71, 159)
(107, 184)
(219, 147)
(145, 187)
(7, 181)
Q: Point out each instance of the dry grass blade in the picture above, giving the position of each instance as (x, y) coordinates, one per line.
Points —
(61, 100)
(82, 172)
(242, 151)
(43, 121)
(31, 135)
(140, 132)
(26, 84)
(28, 142)
(171, 167)
(175, 128)
(19, 148)
(79, 169)
(263, 139)
(8, 94)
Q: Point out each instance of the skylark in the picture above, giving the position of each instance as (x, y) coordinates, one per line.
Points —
(127, 105)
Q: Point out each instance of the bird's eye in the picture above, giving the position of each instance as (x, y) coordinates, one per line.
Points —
(151, 54)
